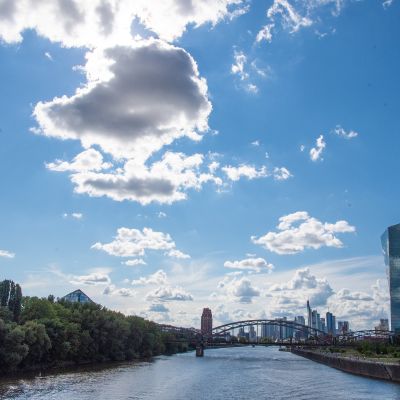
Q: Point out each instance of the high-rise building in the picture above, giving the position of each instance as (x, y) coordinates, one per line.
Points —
(206, 322)
(300, 334)
(391, 249)
(252, 334)
(330, 323)
(383, 325)
(309, 317)
(343, 327)
(323, 325)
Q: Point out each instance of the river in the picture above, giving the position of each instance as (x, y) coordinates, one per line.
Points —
(232, 373)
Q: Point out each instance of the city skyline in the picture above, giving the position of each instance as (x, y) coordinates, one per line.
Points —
(236, 155)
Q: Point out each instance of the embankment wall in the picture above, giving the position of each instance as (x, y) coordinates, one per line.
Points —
(371, 369)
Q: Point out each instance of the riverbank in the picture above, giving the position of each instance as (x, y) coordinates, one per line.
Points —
(358, 366)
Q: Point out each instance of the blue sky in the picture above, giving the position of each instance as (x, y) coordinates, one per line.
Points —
(174, 123)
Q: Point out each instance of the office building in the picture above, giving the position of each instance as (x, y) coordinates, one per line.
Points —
(391, 250)
(206, 322)
(383, 325)
(343, 327)
(330, 323)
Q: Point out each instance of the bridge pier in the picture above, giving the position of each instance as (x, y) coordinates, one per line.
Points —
(200, 350)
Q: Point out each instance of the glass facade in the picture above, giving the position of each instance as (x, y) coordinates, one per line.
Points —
(77, 297)
(391, 250)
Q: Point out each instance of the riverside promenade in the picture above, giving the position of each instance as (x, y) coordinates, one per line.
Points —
(370, 368)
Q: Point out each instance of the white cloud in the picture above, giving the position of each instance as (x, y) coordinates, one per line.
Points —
(304, 286)
(316, 152)
(265, 33)
(387, 3)
(138, 98)
(177, 254)
(250, 264)
(360, 308)
(87, 160)
(166, 181)
(112, 290)
(133, 242)
(238, 67)
(6, 254)
(341, 132)
(291, 19)
(252, 88)
(158, 278)
(95, 278)
(74, 215)
(135, 262)
(168, 293)
(238, 289)
(116, 109)
(105, 22)
(161, 214)
(247, 171)
(308, 233)
(282, 174)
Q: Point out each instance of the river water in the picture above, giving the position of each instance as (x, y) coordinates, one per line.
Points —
(232, 373)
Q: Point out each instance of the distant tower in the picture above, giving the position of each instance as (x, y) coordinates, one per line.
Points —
(206, 322)
(309, 317)
(391, 249)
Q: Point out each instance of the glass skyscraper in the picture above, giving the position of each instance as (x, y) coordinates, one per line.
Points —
(391, 250)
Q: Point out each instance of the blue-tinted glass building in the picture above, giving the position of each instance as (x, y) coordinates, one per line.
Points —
(391, 250)
(77, 296)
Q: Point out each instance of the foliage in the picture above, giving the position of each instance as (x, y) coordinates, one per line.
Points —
(10, 299)
(43, 332)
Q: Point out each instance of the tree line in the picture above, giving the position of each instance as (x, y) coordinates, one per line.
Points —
(41, 332)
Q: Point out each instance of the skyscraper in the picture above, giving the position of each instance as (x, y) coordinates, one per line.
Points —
(343, 327)
(391, 250)
(330, 323)
(309, 319)
(206, 322)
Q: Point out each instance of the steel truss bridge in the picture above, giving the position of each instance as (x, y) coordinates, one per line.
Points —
(307, 336)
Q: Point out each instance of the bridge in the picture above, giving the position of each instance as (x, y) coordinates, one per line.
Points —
(300, 335)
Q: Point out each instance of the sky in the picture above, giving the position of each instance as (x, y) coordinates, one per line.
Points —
(173, 155)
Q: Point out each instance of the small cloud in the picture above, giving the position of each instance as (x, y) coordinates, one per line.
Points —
(6, 254)
(74, 215)
(161, 214)
(339, 131)
(135, 262)
(168, 293)
(281, 174)
(250, 264)
(177, 254)
(316, 152)
(265, 34)
(302, 147)
(387, 3)
(299, 231)
(244, 170)
(96, 278)
(251, 88)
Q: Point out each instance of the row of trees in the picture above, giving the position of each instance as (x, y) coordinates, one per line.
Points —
(47, 332)
(11, 299)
